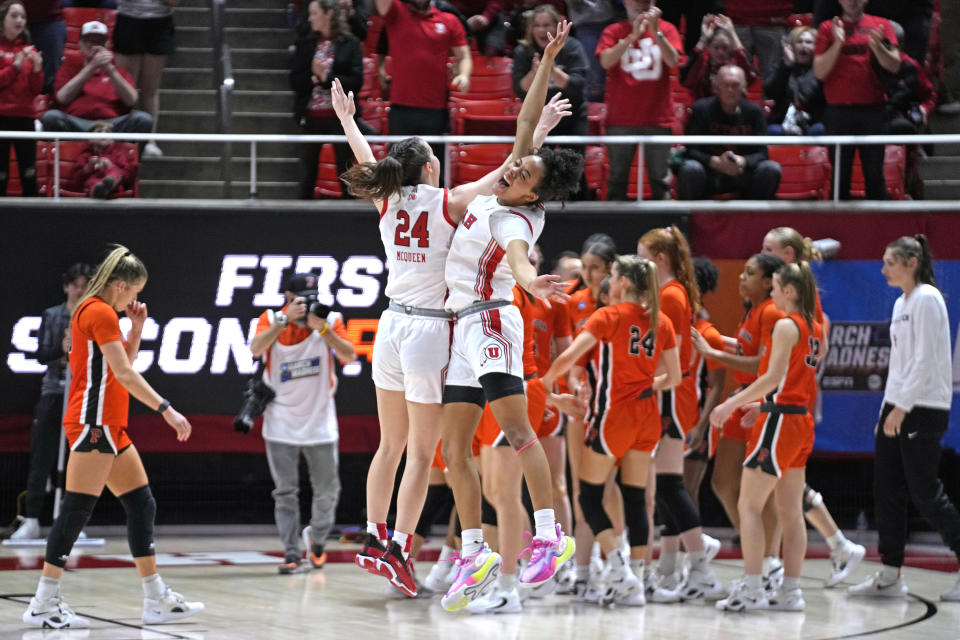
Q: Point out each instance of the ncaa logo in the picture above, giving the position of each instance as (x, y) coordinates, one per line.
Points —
(492, 351)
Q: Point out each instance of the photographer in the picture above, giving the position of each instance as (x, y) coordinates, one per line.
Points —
(296, 344)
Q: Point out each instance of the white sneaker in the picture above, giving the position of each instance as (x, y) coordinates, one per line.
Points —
(589, 591)
(151, 150)
(952, 594)
(791, 600)
(619, 580)
(742, 598)
(29, 529)
(772, 574)
(711, 547)
(497, 600)
(650, 580)
(669, 589)
(844, 559)
(566, 579)
(702, 585)
(53, 614)
(872, 587)
(436, 580)
(169, 608)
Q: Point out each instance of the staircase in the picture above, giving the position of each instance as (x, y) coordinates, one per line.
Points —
(941, 171)
(259, 40)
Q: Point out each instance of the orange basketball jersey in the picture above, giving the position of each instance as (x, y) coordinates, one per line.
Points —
(96, 398)
(755, 327)
(524, 302)
(701, 365)
(799, 384)
(580, 306)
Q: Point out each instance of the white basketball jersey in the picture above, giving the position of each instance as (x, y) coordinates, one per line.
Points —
(477, 267)
(416, 231)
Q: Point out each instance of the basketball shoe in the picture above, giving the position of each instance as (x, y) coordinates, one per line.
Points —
(474, 573)
(53, 614)
(843, 560)
(392, 566)
(875, 587)
(546, 556)
(169, 607)
(743, 598)
(367, 557)
(497, 600)
(315, 553)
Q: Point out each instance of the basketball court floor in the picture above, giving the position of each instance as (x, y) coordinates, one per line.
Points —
(236, 577)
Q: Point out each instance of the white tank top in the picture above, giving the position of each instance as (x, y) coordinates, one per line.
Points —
(477, 267)
(302, 374)
(416, 231)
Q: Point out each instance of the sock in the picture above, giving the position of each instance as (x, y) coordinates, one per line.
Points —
(472, 541)
(378, 530)
(153, 587)
(769, 563)
(616, 558)
(754, 581)
(668, 563)
(546, 524)
(446, 552)
(583, 572)
(637, 566)
(697, 559)
(48, 588)
(403, 541)
(507, 581)
(789, 584)
(836, 540)
(888, 574)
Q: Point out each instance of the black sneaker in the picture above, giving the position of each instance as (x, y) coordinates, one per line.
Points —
(291, 564)
(367, 557)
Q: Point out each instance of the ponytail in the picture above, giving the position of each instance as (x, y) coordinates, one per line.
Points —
(645, 281)
(800, 277)
(386, 178)
(803, 247)
(673, 243)
(917, 247)
(119, 264)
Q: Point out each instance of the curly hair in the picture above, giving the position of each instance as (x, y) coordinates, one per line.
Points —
(706, 273)
(562, 170)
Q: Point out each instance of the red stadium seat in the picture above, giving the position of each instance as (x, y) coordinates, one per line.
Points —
(374, 113)
(799, 20)
(374, 27)
(14, 186)
(489, 87)
(371, 80)
(805, 172)
(492, 66)
(597, 118)
(484, 117)
(894, 171)
(76, 17)
(595, 169)
(69, 152)
(469, 162)
(328, 184)
(681, 95)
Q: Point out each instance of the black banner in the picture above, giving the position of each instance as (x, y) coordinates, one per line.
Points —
(858, 357)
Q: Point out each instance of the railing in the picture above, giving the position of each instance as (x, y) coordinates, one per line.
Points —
(223, 84)
(254, 139)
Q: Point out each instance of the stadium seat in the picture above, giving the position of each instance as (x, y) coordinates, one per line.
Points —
(799, 20)
(595, 169)
(75, 17)
(492, 66)
(894, 171)
(597, 118)
(490, 87)
(69, 152)
(371, 80)
(805, 172)
(484, 117)
(15, 188)
(328, 184)
(374, 113)
(469, 162)
(374, 27)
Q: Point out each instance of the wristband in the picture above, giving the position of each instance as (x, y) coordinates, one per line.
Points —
(326, 328)
(164, 405)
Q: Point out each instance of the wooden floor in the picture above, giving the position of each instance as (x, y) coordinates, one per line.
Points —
(245, 598)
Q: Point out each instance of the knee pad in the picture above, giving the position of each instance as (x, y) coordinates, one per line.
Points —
(673, 497)
(591, 503)
(811, 498)
(74, 513)
(488, 514)
(635, 514)
(438, 497)
(141, 510)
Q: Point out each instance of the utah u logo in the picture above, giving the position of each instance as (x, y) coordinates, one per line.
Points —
(95, 434)
(763, 455)
(469, 220)
(493, 352)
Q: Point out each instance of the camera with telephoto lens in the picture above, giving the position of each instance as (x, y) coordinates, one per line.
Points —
(314, 308)
(257, 396)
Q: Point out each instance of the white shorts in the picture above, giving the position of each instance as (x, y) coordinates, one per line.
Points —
(410, 354)
(486, 342)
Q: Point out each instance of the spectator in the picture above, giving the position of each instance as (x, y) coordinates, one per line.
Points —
(418, 92)
(638, 54)
(102, 167)
(854, 91)
(49, 33)
(485, 23)
(914, 16)
(590, 18)
(142, 40)
(761, 26)
(795, 90)
(21, 79)
(693, 11)
(711, 169)
(329, 50)
(95, 89)
(718, 46)
(302, 417)
(950, 25)
(53, 347)
(515, 17)
(910, 98)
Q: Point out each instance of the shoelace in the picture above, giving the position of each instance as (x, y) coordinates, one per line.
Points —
(536, 546)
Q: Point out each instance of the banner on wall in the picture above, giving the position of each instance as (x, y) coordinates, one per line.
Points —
(858, 357)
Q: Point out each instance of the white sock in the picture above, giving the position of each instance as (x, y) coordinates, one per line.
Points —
(153, 587)
(637, 566)
(446, 552)
(472, 541)
(546, 524)
(789, 584)
(48, 588)
(401, 540)
(697, 559)
(375, 530)
(668, 563)
(836, 540)
(888, 574)
(754, 581)
(507, 581)
(583, 571)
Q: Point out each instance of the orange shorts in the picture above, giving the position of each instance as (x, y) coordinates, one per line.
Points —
(86, 437)
(624, 426)
(438, 459)
(678, 407)
(780, 441)
(733, 430)
(488, 431)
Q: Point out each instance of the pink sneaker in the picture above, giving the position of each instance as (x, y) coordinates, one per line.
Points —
(474, 573)
(546, 556)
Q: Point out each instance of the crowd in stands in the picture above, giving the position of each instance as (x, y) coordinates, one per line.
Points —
(633, 67)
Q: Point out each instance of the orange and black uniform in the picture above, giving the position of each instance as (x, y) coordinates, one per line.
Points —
(782, 437)
(699, 370)
(623, 414)
(754, 330)
(97, 406)
(678, 406)
(550, 320)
